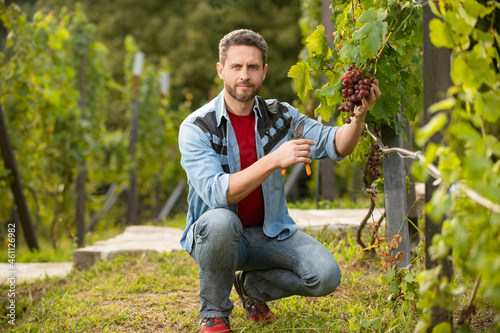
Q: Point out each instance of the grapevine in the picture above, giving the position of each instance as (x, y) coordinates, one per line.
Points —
(386, 36)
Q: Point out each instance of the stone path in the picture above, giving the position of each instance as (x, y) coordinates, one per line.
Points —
(28, 272)
(135, 239)
(139, 239)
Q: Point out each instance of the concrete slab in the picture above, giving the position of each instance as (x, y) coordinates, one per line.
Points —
(135, 239)
(333, 219)
(27, 272)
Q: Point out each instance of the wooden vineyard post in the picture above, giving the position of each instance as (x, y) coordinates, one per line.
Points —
(412, 205)
(16, 186)
(172, 200)
(436, 82)
(81, 178)
(133, 200)
(395, 195)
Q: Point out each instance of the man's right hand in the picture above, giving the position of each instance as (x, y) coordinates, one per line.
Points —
(245, 181)
(293, 152)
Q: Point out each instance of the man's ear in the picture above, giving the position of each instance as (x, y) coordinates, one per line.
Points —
(220, 67)
(265, 71)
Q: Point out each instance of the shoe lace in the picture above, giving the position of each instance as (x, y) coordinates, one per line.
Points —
(220, 320)
(256, 308)
(215, 321)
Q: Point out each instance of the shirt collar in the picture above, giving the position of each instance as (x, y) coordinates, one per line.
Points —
(221, 112)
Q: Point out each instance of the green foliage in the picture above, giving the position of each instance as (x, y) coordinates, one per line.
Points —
(188, 35)
(300, 74)
(58, 95)
(157, 160)
(53, 90)
(382, 35)
(372, 33)
(468, 155)
(386, 36)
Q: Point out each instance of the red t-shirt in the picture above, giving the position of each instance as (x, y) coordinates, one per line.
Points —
(250, 208)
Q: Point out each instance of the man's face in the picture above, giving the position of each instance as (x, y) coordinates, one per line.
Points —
(243, 72)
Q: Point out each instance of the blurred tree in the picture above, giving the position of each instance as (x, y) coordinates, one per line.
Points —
(187, 33)
(26, 5)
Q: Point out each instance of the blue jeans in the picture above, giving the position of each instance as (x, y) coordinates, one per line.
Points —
(298, 265)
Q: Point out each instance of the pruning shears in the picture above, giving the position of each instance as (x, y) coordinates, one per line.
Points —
(297, 134)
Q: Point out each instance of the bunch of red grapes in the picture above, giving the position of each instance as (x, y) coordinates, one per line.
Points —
(357, 84)
(374, 159)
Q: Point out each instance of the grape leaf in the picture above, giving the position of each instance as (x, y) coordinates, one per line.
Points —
(324, 110)
(464, 131)
(379, 109)
(433, 126)
(487, 106)
(349, 52)
(368, 16)
(316, 44)
(441, 35)
(300, 75)
(476, 9)
(469, 20)
(372, 34)
(473, 71)
(444, 104)
(331, 93)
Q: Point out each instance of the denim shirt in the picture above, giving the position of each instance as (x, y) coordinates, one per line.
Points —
(209, 150)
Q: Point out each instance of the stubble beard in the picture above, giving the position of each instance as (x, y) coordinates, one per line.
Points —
(243, 97)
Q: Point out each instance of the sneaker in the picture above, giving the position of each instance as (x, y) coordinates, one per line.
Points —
(255, 311)
(215, 325)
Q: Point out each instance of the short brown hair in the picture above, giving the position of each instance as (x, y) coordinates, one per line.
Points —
(242, 37)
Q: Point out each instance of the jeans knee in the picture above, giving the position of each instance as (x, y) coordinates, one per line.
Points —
(220, 223)
(329, 278)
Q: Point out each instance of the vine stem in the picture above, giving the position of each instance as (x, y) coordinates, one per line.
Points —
(363, 223)
(391, 33)
(469, 309)
(436, 173)
(352, 9)
(371, 192)
(406, 19)
(383, 46)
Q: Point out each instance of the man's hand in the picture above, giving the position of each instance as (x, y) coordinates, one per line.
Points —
(245, 181)
(347, 136)
(293, 152)
(366, 103)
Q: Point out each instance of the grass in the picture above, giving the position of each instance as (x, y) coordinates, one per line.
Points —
(159, 293)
